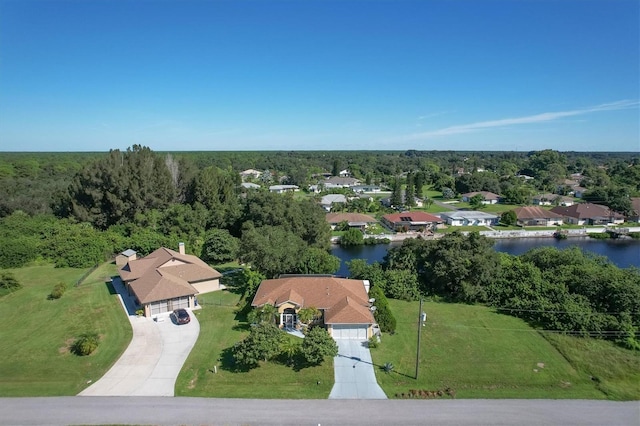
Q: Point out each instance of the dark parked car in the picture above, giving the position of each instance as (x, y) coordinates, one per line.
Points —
(181, 316)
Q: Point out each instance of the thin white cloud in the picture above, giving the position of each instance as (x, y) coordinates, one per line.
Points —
(537, 118)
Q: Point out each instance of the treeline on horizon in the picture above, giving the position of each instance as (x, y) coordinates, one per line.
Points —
(78, 210)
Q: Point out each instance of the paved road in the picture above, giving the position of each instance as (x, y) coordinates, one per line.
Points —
(353, 372)
(203, 411)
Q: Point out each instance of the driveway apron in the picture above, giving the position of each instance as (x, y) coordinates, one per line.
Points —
(353, 371)
(152, 361)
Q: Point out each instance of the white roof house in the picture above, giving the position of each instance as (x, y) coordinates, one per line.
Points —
(469, 218)
(329, 199)
(283, 188)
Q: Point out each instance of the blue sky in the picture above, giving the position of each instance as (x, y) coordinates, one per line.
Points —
(314, 75)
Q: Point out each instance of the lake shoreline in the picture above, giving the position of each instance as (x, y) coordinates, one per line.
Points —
(508, 234)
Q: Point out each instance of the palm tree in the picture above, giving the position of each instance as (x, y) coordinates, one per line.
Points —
(265, 313)
(306, 315)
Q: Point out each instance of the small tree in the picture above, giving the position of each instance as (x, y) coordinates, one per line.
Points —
(317, 345)
(307, 315)
(262, 343)
(476, 202)
(264, 314)
(343, 226)
(509, 218)
(448, 193)
(220, 246)
(353, 237)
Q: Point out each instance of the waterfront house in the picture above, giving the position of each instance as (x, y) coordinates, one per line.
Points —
(411, 221)
(589, 214)
(469, 218)
(537, 216)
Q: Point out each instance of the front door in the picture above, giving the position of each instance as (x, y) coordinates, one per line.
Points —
(289, 320)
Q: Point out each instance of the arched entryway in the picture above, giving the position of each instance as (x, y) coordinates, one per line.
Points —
(289, 318)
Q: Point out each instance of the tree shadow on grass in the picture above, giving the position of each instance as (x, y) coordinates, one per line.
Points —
(228, 363)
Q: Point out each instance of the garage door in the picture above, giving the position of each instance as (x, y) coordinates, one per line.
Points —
(351, 332)
(169, 305)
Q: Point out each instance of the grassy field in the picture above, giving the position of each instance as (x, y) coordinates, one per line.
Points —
(220, 329)
(481, 354)
(36, 332)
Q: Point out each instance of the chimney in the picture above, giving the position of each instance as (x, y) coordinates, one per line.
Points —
(367, 285)
(181, 248)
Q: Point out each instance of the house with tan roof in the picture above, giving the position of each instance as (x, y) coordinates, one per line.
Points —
(355, 220)
(344, 303)
(488, 197)
(166, 280)
(537, 216)
(411, 221)
(589, 214)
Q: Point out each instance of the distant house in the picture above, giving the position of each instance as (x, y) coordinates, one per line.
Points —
(166, 280)
(340, 182)
(328, 200)
(537, 216)
(344, 173)
(344, 303)
(469, 218)
(411, 221)
(355, 220)
(374, 189)
(249, 185)
(489, 197)
(589, 214)
(279, 189)
(578, 191)
(552, 199)
(250, 174)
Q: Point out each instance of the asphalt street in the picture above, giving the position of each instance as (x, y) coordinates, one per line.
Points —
(205, 411)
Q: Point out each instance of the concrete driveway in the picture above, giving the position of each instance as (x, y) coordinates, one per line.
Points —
(152, 361)
(353, 371)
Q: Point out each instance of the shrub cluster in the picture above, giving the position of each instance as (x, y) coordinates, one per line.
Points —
(382, 314)
(86, 344)
(58, 291)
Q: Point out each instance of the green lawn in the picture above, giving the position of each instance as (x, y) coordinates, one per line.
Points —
(220, 329)
(36, 332)
(490, 208)
(482, 354)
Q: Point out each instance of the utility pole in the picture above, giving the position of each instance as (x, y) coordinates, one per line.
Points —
(420, 319)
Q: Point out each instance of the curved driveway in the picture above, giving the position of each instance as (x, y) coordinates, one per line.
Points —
(152, 361)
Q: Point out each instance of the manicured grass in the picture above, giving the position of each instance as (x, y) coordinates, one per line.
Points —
(37, 332)
(490, 208)
(614, 370)
(482, 354)
(433, 208)
(220, 329)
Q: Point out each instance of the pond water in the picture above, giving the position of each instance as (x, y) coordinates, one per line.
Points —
(623, 253)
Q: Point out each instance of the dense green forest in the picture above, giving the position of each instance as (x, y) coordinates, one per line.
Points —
(79, 209)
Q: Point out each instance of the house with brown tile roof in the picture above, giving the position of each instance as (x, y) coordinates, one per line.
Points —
(166, 280)
(589, 214)
(411, 221)
(355, 220)
(344, 303)
(537, 216)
